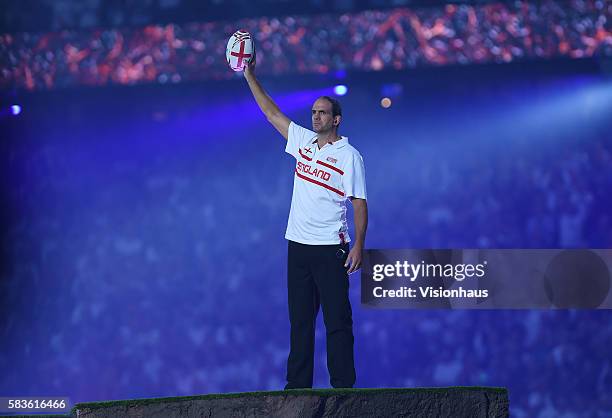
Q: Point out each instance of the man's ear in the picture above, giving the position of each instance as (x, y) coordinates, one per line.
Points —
(337, 119)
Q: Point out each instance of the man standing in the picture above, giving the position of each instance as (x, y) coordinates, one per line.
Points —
(328, 171)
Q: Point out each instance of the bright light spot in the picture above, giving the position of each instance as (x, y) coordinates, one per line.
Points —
(385, 102)
(340, 90)
(15, 109)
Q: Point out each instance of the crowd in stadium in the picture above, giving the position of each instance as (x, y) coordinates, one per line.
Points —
(393, 39)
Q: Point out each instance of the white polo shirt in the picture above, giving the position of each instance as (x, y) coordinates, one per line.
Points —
(324, 179)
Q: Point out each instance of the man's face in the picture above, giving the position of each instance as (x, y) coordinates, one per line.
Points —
(322, 119)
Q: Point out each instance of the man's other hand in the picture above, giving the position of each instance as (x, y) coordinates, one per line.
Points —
(353, 260)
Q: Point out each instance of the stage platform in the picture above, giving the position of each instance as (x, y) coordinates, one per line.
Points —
(456, 402)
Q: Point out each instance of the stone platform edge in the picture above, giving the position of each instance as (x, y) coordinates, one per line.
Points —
(289, 392)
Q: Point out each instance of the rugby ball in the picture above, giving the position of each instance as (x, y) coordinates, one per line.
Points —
(240, 50)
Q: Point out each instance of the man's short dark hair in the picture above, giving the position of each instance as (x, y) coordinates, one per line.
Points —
(336, 108)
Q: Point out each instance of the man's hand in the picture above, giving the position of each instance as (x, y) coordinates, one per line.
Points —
(250, 67)
(353, 260)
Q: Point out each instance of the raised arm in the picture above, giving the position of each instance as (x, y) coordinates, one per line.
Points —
(265, 102)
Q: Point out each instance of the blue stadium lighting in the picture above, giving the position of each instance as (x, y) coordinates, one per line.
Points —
(392, 90)
(15, 110)
(340, 90)
(340, 74)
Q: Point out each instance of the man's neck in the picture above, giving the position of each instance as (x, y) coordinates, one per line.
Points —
(328, 137)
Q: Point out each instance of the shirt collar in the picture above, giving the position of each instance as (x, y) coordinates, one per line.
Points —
(336, 144)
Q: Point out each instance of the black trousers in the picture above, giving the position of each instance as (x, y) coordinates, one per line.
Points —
(316, 276)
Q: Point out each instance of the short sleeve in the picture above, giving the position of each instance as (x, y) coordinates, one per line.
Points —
(297, 137)
(353, 180)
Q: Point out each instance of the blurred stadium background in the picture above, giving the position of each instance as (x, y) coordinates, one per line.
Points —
(145, 197)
